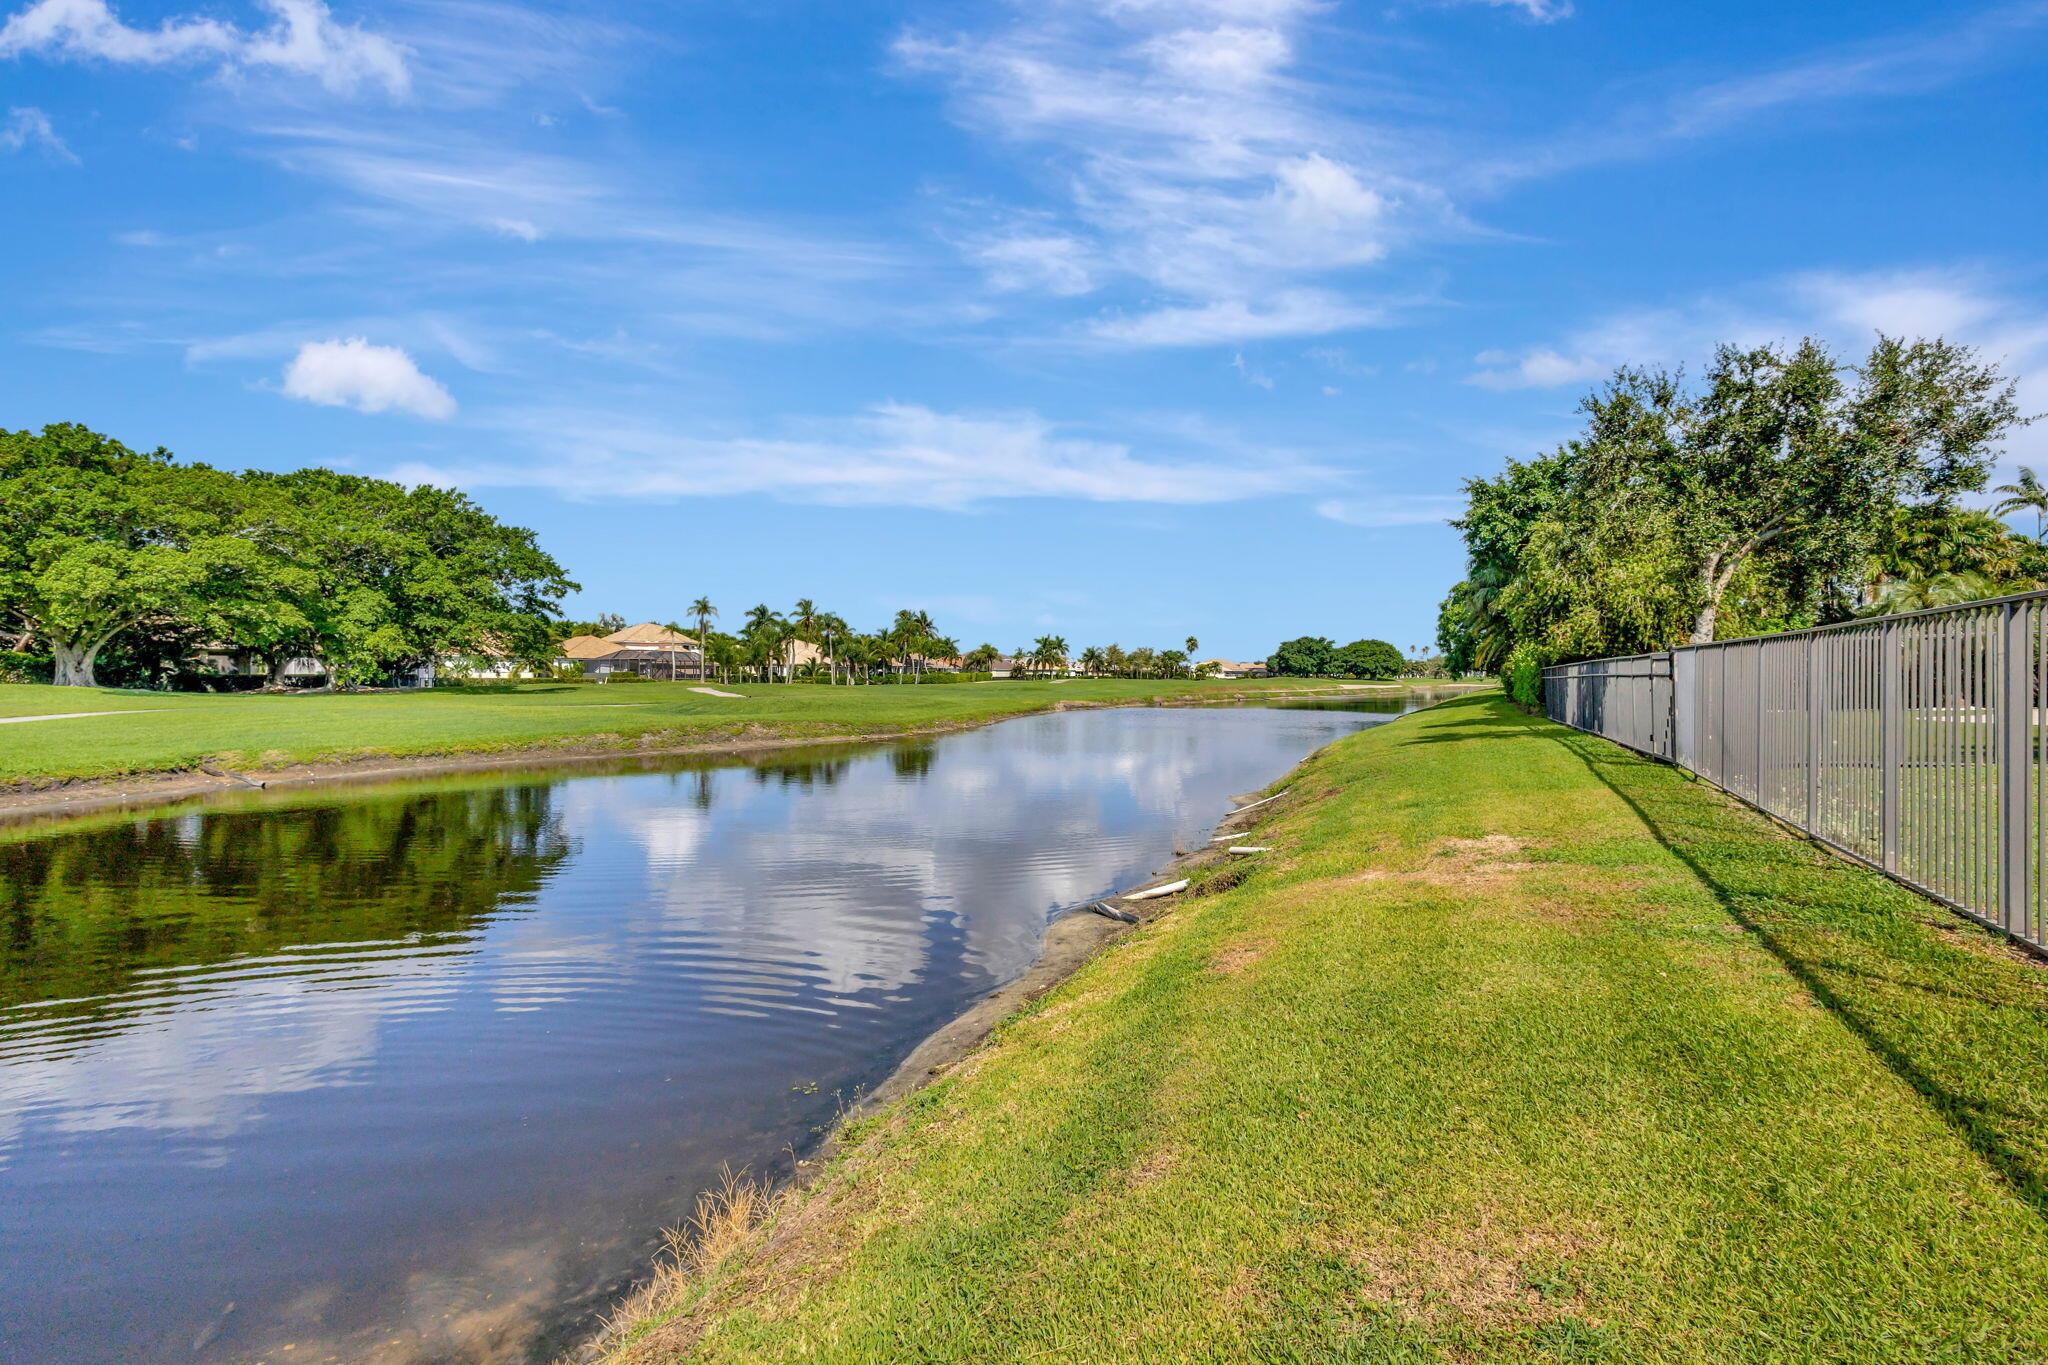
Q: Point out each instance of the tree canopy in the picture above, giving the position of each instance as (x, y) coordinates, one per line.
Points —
(1785, 489)
(98, 541)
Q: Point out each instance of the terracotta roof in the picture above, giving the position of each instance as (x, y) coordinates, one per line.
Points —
(648, 633)
(587, 647)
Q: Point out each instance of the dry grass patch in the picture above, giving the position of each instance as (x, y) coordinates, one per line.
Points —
(1487, 861)
(1153, 1165)
(1479, 1276)
(1234, 958)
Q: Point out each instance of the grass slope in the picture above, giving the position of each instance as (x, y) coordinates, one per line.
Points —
(1519, 1049)
(170, 731)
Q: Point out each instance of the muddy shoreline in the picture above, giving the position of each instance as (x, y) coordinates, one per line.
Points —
(84, 796)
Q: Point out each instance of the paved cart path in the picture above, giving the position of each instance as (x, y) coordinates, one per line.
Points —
(78, 715)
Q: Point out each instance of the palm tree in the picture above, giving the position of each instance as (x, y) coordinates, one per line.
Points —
(803, 623)
(703, 611)
(672, 648)
(2029, 494)
(1931, 590)
(831, 630)
(1050, 652)
(1193, 645)
(763, 634)
(1091, 661)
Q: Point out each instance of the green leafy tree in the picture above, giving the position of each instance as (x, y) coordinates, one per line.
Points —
(1307, 656)
(1751, 502)
(1791, 453)
(1369, 659)
(96, 539)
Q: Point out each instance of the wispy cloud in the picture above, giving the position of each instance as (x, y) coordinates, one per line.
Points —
(893, 454)
(1917, 61)
(304, 38)
(30, 127)
(1392, 509)
(354, 373)
(1538, 11)
(1970, 304)
(1198, 163)
(1250, 373)
(1299, 312)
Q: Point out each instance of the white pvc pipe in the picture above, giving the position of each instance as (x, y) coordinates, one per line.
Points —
(1151, 891)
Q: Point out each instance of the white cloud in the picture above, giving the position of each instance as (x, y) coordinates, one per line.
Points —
(1846, 309)
(303, 38)
(1926, 303)
(1258, 379)
(30, 126)
(1052, 261)
(893, 454)
(1393, 509)
(1296, 313)
(1900, 64)
(517, 227)
(1541, 11)
(1196, 160)
(1660, 337)
(355, 374)
(1539, 367)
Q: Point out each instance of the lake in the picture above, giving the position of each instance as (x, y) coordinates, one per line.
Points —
(422, 1071)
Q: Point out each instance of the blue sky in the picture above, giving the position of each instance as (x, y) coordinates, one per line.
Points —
(1126, 319)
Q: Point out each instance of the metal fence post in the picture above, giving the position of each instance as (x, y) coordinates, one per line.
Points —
(1889, 735)
(2015, 752)
(1757, 681)
(1816, 695)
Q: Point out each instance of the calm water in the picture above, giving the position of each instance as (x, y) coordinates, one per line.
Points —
(421, 1073)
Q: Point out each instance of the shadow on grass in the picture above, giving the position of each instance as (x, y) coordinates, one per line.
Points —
(1844, 934)
(520, 689)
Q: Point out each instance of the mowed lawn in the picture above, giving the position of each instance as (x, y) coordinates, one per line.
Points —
(1518, 1048)
(169, 731)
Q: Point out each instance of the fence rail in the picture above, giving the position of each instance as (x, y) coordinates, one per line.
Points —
(1915, 743)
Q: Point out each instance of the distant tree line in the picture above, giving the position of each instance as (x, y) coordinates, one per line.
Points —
(105, 550)
(1785, 489)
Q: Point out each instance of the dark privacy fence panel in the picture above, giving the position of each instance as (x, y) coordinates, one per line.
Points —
(1916, 743)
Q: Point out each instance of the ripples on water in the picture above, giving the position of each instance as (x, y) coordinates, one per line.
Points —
(422, 1072)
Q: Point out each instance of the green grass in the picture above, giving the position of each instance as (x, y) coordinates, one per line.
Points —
(1519, 1049)
(180, 730)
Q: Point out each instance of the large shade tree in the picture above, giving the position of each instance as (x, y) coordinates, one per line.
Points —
(1755, 500)
(97, 539)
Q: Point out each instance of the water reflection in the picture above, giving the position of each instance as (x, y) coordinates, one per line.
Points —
(112, 924)
(400, 1075)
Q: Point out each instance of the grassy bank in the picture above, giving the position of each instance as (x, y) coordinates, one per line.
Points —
(1518, 1049)
(162, 732)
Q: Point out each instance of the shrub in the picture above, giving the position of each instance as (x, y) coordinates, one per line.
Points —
(1523, 674)
(16, 667)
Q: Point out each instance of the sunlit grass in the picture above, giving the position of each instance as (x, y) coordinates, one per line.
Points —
(1518, 1049)
(178, 730)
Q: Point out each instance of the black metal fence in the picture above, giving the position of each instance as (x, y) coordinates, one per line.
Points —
(1916, 743)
